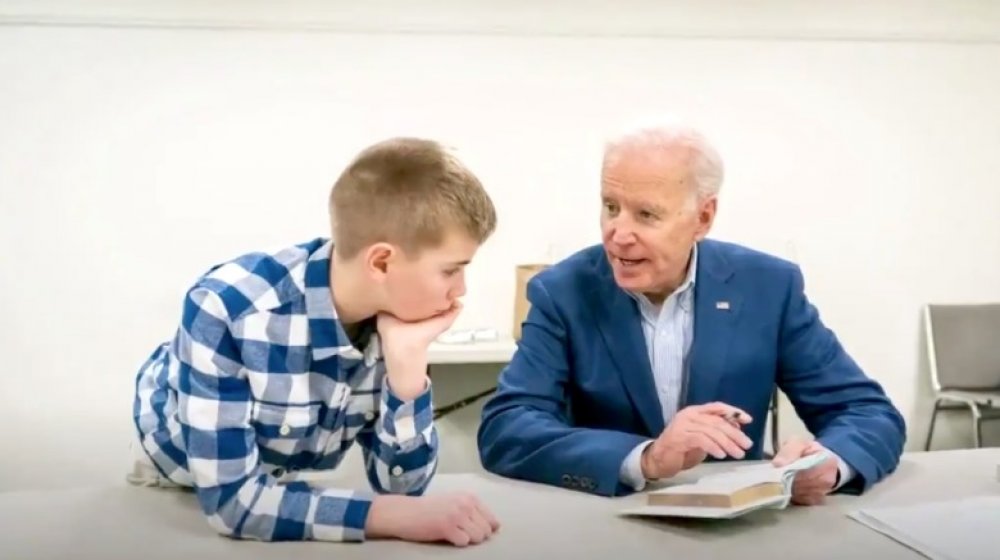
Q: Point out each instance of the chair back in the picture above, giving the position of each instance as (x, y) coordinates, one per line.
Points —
(963, 344)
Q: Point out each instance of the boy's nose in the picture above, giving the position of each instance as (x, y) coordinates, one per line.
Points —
(459, 291)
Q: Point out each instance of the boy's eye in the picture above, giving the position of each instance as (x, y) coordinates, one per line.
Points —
(451, 271)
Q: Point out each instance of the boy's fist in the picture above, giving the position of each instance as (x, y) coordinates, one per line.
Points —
(456, 518)
(404, 345)
(404, 338)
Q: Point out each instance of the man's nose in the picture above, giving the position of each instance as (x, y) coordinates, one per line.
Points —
(622, 234)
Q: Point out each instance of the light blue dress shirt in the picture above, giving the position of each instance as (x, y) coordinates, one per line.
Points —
(669, 332)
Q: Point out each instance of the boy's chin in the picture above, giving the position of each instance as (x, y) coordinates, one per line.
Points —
(414, 316)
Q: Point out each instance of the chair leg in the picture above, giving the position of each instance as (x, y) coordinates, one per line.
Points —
(930, 431)
(977, 426)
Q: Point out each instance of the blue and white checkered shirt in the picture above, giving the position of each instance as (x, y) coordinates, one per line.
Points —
(262, 379)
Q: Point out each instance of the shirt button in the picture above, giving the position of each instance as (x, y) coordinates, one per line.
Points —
(285, 429)
(369, 416)
(397, 470)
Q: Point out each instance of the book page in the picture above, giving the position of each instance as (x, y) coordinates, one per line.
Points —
(745, 476)
(727, 482)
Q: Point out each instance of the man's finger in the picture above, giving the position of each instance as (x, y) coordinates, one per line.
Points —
(791, 451)
(722, 439)
(725, 411)
(810, 476)
(809, 499)
(823, 484)
(732, 432)
(813, 448)
(708, 445)
(817, 472)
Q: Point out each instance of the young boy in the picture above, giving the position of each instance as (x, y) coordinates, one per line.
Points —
(282, 361)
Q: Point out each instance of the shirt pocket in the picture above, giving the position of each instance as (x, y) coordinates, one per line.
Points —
(284, 421)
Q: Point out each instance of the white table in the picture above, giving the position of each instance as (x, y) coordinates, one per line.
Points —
(538, 522)
(498, 351)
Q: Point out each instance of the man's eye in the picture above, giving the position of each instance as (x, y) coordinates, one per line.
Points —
(610, 206)
(451, 272)
(647, 215)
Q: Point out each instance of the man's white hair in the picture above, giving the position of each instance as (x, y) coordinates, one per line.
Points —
(657, 138)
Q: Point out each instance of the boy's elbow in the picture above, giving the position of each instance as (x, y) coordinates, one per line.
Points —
(225, 513)
(224, 527)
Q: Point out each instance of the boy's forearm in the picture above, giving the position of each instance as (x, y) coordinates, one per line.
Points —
(383, 519)
(407, 374)
(403, 443)
(263, 510)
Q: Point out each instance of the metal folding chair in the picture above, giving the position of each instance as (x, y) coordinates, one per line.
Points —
(963, 352)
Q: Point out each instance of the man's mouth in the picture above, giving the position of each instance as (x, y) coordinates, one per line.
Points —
(629, 262)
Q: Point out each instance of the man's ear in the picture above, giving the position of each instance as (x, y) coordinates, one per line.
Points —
(378, 257)
(706, 216)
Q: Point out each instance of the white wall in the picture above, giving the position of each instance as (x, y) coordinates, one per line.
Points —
(135, 151)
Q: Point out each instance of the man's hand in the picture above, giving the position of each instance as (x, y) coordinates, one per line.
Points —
(811, 486)
(456, 518)
(695, 433)
(404, 345)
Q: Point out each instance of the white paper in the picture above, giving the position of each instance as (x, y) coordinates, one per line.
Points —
(967, 529)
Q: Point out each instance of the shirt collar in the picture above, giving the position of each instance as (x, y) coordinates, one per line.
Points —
(326, 334)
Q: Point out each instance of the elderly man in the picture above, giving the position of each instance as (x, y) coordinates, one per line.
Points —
(644, 356)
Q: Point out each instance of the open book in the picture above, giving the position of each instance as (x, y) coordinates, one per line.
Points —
(728, 494)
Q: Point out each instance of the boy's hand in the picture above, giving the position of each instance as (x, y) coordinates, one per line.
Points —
(404, 338)
(404, 345)
(456, 518)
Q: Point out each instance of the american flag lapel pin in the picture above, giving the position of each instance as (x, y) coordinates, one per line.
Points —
(722, 305)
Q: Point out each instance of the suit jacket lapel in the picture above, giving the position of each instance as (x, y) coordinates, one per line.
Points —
(716, 310)
(619, 323)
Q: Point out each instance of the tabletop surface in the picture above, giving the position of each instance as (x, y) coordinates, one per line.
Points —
(480, 352)
(537, 522)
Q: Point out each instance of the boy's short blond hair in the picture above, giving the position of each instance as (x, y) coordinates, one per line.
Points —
(409, 192)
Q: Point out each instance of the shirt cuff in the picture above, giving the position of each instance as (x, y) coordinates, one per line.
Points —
(844, 471)
(339, 515)
(630, 472)
(404, 420)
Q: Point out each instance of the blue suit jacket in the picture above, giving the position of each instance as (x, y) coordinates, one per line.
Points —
(579, 395)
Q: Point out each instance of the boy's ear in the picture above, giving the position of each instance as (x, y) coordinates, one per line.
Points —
(378, 257)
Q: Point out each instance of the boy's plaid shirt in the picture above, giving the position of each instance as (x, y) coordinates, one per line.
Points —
(261, 379)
